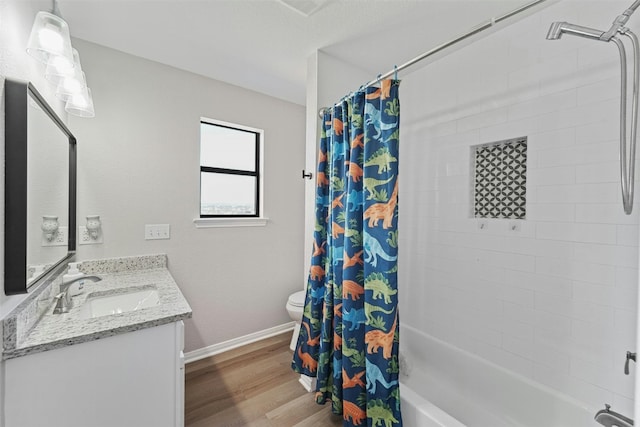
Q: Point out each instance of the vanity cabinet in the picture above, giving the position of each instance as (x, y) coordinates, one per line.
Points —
(134, 379)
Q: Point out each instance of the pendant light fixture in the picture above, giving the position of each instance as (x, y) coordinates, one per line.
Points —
(50, 43)
(50, 38)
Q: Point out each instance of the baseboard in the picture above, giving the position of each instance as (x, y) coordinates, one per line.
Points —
(214, 349)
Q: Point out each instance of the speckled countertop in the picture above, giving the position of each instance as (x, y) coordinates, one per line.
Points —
(51, 331)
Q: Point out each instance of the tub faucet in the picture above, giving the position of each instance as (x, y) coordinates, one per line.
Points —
(610, 418)
(63, 299)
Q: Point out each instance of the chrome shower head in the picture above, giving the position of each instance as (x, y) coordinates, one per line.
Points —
(557, 29)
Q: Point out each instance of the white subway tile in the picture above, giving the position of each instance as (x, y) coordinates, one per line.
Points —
(482, 120)
(626, 276)
(600, 131)
(520, 296)
(518, 346)
(609, 213)
(518, 329)
(557, 138)
(590, 233)
(628, 235)
(582, 390)
(586, 154)
(540, 283)
(599, 91)
(606, 254)
(612, 379)
(598, 173)
(544, 104)
(554, 212)
(576, 270)
(551, 321)
(531, 246)
(550, 176)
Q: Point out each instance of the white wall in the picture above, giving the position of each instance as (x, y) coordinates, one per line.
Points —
(556, 300)
(328, 80)
(139, 164)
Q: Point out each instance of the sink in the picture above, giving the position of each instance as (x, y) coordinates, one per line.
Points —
(132, 300)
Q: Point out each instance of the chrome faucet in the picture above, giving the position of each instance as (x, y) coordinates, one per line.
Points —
(63, 299)
(610, 418)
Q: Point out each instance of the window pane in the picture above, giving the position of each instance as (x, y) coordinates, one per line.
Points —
(222, 147)
(223, 194)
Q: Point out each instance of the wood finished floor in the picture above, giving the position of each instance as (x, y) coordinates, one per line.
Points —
(251, 386)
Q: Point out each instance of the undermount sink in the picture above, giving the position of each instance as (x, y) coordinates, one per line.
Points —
(105, 305)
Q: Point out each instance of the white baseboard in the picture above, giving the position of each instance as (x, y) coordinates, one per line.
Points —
(214, 349)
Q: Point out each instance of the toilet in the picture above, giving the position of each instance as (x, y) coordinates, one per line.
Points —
(295, 307)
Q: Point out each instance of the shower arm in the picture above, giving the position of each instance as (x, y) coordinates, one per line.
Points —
(619, 22)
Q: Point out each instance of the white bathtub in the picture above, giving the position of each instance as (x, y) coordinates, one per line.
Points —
(448, 387)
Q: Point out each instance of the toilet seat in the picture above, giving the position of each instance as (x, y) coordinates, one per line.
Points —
(297, 299)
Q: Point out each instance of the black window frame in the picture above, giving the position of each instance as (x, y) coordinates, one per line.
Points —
(257, 173)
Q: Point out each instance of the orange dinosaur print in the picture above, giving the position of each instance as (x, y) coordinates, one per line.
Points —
(312, 342)
(316, 272)
(357, 141)
(385, 86)
(318, 250)
(373, 95)
(321, 179)
(376, 339)
(337, 202)
(383, 211)
(351, 410)
(338, 126)
(336, 230)
(351, 261)
(337, 341)
(349, 287)
(355, 171)
(337, 310)
(307, 361)
(322, 156)
(352, 382)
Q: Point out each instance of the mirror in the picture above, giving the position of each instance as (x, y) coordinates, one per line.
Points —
(40, 188)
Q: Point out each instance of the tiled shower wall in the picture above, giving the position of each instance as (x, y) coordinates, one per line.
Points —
(551, 297)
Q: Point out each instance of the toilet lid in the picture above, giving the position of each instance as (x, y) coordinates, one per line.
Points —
(297, 299)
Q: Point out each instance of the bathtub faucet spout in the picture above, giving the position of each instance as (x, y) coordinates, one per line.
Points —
(610, 418)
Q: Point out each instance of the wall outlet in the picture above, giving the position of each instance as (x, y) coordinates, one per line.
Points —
(156, 231)
(84, 238)
(59, 239)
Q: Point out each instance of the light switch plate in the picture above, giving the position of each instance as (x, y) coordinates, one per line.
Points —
(157, 231)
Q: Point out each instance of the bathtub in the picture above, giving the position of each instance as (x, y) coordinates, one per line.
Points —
(443, 386)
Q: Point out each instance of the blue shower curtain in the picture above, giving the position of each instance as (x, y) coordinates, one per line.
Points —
(349, 333)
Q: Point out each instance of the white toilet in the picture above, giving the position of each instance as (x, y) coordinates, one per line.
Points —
(295, 307)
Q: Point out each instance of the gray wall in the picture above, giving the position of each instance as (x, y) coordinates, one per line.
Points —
(138, 164)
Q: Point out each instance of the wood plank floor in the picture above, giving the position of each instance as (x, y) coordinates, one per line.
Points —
(251, 386)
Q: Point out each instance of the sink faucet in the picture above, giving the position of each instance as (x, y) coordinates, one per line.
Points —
(63, 299)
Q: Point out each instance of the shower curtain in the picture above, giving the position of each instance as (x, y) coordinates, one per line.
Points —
(349, 333)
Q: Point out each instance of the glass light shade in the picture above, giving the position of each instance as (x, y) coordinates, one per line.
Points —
(81, 104)
(71, 84)
(49, 37)
(58, 67)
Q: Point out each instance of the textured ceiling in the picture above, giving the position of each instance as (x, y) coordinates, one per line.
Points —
(263, 45)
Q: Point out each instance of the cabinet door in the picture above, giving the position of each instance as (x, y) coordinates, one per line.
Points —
(127, 380)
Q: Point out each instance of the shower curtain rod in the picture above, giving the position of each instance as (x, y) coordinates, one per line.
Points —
(451, 42)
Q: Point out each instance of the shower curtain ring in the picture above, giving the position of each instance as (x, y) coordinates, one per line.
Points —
(395, 72)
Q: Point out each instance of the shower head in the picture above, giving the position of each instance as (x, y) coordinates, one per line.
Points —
(557, 29)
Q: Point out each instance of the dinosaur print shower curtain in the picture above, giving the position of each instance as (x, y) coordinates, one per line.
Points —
(349, 333)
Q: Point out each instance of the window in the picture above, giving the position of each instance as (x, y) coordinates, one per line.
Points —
(230, 175)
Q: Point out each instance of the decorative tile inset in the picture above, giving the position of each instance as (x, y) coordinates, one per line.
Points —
(500, 179)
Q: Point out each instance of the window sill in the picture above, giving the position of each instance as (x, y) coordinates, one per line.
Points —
(230, 222)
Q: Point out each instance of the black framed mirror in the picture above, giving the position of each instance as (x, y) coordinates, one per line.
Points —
(40, 185)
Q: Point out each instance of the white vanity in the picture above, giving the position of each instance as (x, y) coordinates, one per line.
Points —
(90, 368)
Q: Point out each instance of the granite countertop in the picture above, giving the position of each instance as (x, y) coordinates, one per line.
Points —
(51, 331)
